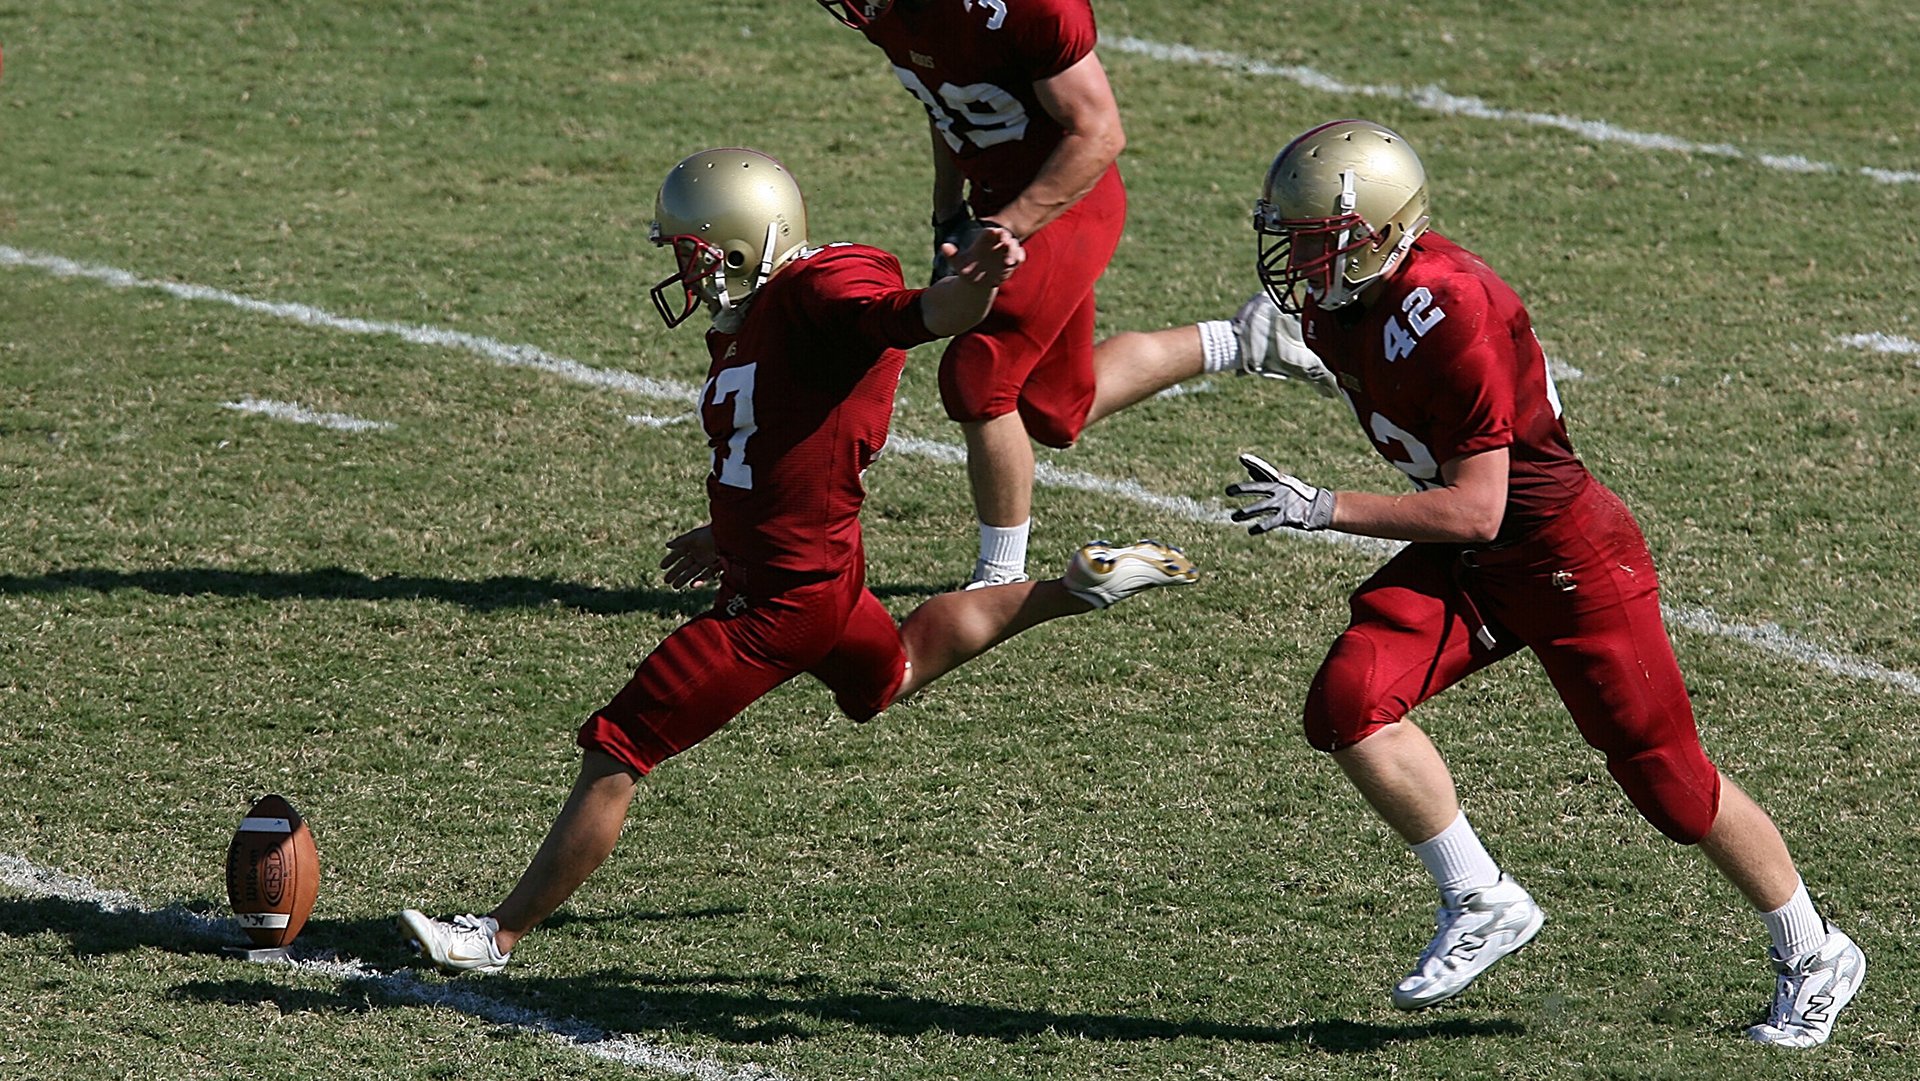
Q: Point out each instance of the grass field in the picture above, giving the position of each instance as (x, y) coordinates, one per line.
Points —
(1103, 852)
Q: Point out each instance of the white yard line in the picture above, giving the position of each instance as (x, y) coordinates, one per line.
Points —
(33, 880)
(1767, 638)
(299, 414)
(1880, 343)
(1434, 99)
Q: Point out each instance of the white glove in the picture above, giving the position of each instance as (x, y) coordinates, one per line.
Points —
(1270, 345)
(1285, 500)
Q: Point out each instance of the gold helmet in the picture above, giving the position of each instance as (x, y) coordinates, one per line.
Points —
(1341, 206)
(733, 217)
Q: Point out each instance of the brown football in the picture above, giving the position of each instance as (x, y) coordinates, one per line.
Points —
(273, 872)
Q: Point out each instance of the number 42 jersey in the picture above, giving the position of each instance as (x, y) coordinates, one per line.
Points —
(1444, 363)
(796, 406)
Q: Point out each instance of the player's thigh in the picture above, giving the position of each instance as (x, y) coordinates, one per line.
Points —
(868, 663)
(711, 668)
(1408, 640)
(1055, 400)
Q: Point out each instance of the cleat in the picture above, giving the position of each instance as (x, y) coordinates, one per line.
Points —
(984, 578)
(1812, 990)
(462, 944)
(1102, 573)
(1271, 345)
(1480, 928)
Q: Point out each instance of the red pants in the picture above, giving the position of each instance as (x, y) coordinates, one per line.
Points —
(721, 661)
(1581, 593)
(1034, 351)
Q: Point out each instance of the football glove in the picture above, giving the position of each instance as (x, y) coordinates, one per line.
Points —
(956, 229)
(1284, 500)
(1270, 345)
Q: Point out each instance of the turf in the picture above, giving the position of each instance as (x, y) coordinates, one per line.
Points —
(1102, 852)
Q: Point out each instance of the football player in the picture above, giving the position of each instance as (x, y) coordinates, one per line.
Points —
(1026, 136)
(1514, 546)
(807, 348)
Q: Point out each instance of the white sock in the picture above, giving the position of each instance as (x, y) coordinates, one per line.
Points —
(1795, 926)
(1219, 346)
(1003, 549)
(1457, 860)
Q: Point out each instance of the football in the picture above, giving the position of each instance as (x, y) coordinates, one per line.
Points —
(273, 872)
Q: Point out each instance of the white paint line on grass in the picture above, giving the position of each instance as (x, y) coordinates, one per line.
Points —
(1768, 638)
(1434, 99)
(513, 356)
(1880, 343)
(299, 414)
(29, 878)
(648, 420)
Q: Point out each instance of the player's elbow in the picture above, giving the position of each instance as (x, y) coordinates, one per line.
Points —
(1480, 525)
(1111, 138)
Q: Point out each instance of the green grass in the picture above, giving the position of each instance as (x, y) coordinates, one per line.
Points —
(1103, 852)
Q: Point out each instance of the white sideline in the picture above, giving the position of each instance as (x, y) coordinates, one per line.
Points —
(1768, 638)
(1434, 99)
(35, 881)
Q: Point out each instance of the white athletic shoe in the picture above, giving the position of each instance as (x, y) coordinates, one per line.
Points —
(1486, 925)
(1812, 990)
(462, 944)
(1102, 573)
(985, 576)
(1271, 345)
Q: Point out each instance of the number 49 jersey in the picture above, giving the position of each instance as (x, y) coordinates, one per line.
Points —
(973, 64)
(796, 406)
(1444, 363)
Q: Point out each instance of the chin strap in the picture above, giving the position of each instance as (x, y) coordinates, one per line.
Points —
(722, 303)
(1404, 245)
(765, 269)
(727, 313)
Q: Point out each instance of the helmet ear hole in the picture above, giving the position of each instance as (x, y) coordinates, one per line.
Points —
(736, 259)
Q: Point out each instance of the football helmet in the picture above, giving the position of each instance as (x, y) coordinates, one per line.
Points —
(732, 217)
(1341, 206)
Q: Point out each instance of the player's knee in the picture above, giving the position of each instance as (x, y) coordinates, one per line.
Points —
(1341, 710)
(1673, 786)
(1049, 430)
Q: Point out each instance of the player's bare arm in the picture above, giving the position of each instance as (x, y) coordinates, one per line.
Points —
(1081, 99)
(1466, 507)
(949, 184)
(954, 304)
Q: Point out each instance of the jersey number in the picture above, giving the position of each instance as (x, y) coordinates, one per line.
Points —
(730, 462)
(982, 113)
(1419, 465)
(1422, 316)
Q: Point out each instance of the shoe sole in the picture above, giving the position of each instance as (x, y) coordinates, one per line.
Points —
(1533, 928)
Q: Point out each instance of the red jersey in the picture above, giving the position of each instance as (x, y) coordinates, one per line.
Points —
(973, 64)
(797, 405)
(1444, 363)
